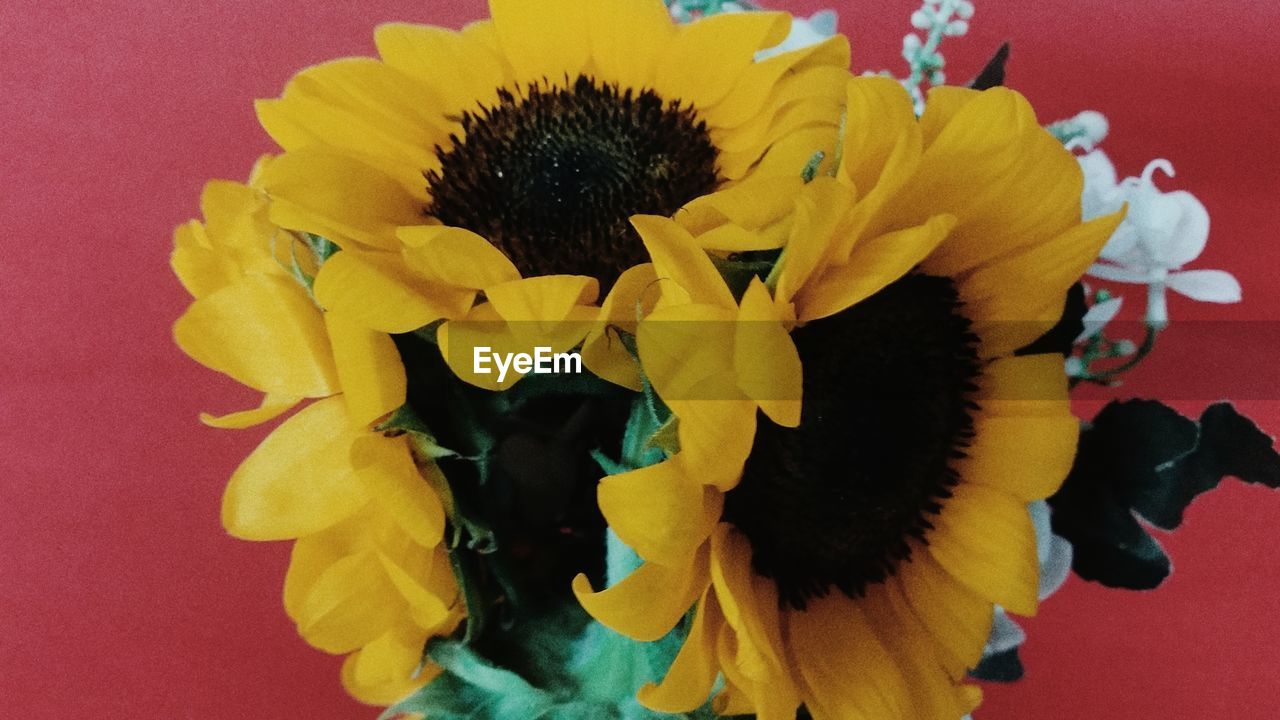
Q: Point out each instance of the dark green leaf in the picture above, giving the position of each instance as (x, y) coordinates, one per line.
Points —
(1229, 444)
(1142, 459)
(999, 667)
(1118, 453)
(1062, 336)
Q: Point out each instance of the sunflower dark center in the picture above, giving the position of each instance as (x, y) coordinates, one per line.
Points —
(551, 176)
(887, 408)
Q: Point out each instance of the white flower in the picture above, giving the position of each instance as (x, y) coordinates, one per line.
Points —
(1161, 232)
(804, 31)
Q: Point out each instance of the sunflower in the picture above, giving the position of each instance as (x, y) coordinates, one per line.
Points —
(845, 551)
(369, 575)
(501, 163)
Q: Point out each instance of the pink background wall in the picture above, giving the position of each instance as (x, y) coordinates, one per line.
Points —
(120, 596)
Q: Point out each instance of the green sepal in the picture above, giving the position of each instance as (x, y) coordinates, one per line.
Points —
(738, 269)
(405, 421)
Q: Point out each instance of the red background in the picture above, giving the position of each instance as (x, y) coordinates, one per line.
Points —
(120, 596)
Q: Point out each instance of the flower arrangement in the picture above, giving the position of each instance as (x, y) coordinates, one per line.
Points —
(643, 361)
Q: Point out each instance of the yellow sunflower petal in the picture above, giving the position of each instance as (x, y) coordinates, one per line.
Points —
(351, 603)
(958, 620)
(692, 674)
(660, 511)
(829, 638)
(603, 352)
(750, 607)
(542, 38)
(235, 214)
(998, 453)
(765, 358)
(715, 438)
(678, 258)
(464, 343)
(463, 72)
(879, 112)
(703, 63)
(312, 554)
(1024, 386)
(363, 108)
(386, 470)
(454, 256)
(818, 210)
(752, 204)
(769, 697)
(934, 692)
(872, 214)
(264, 332)
(761, 79)
(872, 265)
(376, 291)
(687, 352)
(427, 610)
(985, 539)
(943, 103)
(272, 407)
(385, 670)
(790, 155)
(626, 39)
(369, 367)
(1015, 299)
(812, 91)
(298, 481)
(542, 301)
(1009, 183)
(201, 269)
(338, 197)
(732, 700)
(646, 604)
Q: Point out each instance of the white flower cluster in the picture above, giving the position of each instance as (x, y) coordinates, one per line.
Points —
(936, 19)
(1162, 232)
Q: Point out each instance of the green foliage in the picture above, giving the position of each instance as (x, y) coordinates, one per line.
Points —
(1142, 463)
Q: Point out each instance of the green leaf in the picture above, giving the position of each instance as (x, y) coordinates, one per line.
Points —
(471, 688)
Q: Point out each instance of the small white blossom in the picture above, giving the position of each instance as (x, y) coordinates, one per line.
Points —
(1097, 317)
(1084, 131)
(1162, 232)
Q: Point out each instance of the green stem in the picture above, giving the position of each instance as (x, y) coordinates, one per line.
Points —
(1148, 344)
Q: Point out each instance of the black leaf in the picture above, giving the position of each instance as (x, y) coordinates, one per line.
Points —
(999, 667)
(992, 74)
(1062, 336)
(1142, 460)
(1229, 444)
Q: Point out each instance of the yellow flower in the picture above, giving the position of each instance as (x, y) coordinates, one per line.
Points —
(845, 551)
(501, 163)
(369, 575)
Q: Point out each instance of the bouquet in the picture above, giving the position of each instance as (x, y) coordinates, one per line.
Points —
(643, 361)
